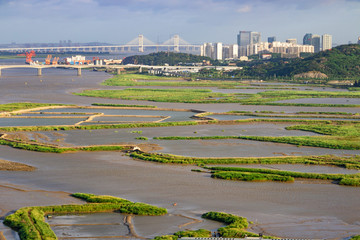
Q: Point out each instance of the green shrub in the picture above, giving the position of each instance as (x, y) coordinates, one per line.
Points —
(203, 233)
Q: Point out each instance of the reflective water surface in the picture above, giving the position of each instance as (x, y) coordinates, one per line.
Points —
(303, 209)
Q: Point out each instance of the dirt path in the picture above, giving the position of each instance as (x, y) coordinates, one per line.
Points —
(128, 223)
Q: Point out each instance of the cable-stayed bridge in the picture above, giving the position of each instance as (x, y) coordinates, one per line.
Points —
(139, 44)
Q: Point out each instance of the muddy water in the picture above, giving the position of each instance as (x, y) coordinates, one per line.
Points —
(105, 225)
(298, 168)
(300, 209)
(109, 136)
(237, 117)
(324, 100)
(195, 193)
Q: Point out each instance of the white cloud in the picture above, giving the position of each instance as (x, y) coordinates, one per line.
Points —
(244, 9)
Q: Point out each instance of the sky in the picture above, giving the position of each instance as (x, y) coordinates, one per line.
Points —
(195, 21)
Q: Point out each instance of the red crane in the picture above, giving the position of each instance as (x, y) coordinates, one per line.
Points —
(29, 55)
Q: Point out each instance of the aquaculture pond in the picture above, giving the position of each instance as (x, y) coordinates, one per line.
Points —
(323, 101)
(303, 209)
(110, 136)
(117, 226)
(222, 117)
(174, 115)
(241, 148)
(12, 122)
(298, 168)
(97, 225)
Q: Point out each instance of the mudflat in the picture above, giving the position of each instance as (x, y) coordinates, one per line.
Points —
(302, 209)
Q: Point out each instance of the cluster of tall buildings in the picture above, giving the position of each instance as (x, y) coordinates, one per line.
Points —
(322, 44)
(249, 43)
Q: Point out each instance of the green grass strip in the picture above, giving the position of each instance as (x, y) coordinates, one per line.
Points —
(344, 162)
(164, 95)
(9, 107)
(332, 142)
(251, 177)
(101, 126)
(123, 105)
(235, 173)
(131, 80)
(236, 225)
(54, 149)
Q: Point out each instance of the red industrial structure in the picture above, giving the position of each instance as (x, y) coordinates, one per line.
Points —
(28, 56)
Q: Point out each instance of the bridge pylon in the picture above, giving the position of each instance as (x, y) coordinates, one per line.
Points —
(141, 43)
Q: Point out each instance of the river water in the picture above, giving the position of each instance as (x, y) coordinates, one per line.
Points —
(301, 209)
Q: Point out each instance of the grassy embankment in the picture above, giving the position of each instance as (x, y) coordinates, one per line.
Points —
(270, 98)
(336, 115)
(335, 136)
(165, 95)
(131, 80)
(9, 107)
(94, 127)
(328, 160)
(236, 228)
(207, 96)
(54, 149)
(123, 105)
(340, 135)
(250, 174)
(255, 174)
(29, 221)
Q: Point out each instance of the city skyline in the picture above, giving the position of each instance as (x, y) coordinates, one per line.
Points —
(197, 21)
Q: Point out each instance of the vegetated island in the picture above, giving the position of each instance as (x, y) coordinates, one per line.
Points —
(236, 228)
(261, 175)
(29, 222)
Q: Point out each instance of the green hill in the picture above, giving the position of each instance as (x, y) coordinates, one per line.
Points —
(340, 62)
(161, 58)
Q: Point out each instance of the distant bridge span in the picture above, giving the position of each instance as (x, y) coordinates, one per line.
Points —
(117, 67)
(139, 44)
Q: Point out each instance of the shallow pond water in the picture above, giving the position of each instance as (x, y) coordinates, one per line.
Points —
(89, 225)
(109, 136)
(323, 100)
(297, 210)
(236, 117)
(174, 115)
(297, 168)
(10, 122)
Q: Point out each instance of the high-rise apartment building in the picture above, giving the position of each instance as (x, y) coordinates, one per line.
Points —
(214, 51)
(326, 42)
(218, 51)
(307, 39)
(207, 50)
(245, 38)
(271, 39)
(233, 51)
(315, 41)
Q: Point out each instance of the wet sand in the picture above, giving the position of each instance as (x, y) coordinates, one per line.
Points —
(14, 166)
(268, 204)
(296, 210)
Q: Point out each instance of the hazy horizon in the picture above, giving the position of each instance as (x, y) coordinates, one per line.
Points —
(196, 21)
